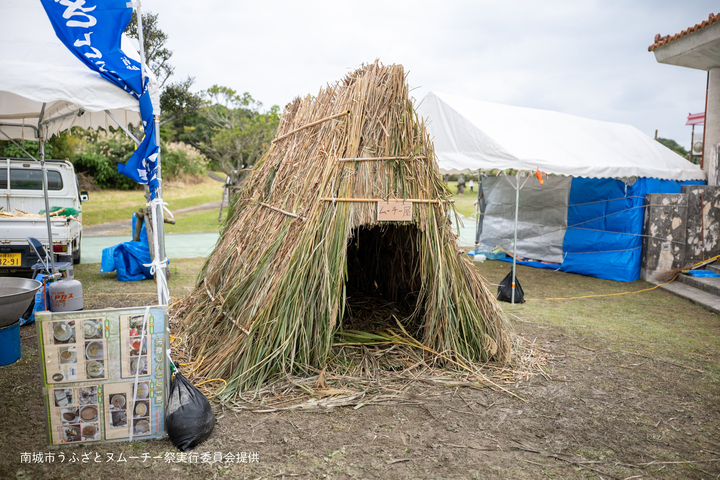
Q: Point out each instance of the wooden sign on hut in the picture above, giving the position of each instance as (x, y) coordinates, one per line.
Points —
(305, 248)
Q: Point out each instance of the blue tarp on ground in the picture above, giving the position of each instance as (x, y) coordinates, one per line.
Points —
(128, 258)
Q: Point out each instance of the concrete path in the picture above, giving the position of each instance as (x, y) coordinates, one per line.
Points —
(122, 226)
(178, 245)
(704, 299)
(467, 232)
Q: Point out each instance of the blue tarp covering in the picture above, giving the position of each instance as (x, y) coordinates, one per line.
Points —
(128, 258)
(605, 226)
(605, 223)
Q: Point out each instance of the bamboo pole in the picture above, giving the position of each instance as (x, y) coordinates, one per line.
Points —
(370, 159)
(282, 211)
(374, 200)
(346, 112)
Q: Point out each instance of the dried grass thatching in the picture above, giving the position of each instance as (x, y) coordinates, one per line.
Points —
(302, 253)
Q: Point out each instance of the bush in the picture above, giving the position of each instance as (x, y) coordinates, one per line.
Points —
(103, 170)
(181, 162)
(9, 149)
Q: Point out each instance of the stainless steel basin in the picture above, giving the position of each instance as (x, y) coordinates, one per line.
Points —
(16, 295)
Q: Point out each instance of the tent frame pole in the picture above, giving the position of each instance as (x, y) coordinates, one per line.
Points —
(517, 205)
(41, 145)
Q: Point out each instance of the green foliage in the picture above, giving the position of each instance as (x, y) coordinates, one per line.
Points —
(674, 146)
(103, 171)
(230, 129)
(176, 99)
(99, 156)
(157, 56)
(60, 146)
(9, 149)
(180, 161)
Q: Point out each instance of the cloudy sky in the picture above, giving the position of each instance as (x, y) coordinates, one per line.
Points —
(586, 58)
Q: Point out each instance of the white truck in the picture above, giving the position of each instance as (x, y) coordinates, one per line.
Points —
(21, 190)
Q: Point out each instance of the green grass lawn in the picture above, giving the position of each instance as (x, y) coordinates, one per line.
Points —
(114, 205)
(464, 204)
(201, 221)
(655, 323)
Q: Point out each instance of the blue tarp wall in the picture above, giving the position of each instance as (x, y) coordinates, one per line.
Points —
(605, 226)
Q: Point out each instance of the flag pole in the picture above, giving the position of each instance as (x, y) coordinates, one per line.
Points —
(155, 206)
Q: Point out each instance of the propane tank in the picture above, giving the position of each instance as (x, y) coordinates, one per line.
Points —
(66, 293)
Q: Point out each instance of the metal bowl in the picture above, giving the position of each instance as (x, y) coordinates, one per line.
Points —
(16, 295)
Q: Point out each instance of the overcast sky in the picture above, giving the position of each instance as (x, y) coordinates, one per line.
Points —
(586, 58)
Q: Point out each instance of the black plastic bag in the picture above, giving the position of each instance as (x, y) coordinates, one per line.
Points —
(189, 419)
(505, 290)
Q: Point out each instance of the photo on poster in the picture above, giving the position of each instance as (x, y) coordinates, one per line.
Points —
(118, 419)
(138, 365)
(92, 328)
(70, 433)
(118, 401)
(143, 390)
(63, 332)
(63, 397)
(68, 355)
(137, 346)
(142, 409)
(89, 413)
(90, 431)
(95, 369)
(141, 427)
(88, 395)
(69, 415)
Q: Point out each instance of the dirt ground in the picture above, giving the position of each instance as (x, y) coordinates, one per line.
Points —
(599, 412)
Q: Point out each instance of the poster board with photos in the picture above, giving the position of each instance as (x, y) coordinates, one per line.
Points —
(90, 361)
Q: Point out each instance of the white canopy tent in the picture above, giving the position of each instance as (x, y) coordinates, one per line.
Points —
(40, 76)
(45, 89)
(471, 135)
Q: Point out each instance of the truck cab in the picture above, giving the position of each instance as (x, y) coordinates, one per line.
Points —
(21, 200)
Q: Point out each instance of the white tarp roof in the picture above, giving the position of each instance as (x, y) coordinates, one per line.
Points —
(471, 135)
(36, 68)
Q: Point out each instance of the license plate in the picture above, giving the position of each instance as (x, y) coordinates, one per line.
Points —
(10, 259)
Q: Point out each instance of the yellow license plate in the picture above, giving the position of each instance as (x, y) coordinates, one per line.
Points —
(10, 259)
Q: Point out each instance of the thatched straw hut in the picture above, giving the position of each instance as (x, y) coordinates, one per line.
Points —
(303, 242)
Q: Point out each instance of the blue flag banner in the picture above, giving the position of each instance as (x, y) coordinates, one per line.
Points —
(92, 31)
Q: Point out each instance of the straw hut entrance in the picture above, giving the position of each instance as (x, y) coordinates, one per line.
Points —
(383, 278)
(305, 253)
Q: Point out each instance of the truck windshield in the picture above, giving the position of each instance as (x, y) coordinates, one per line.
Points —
(25, 179)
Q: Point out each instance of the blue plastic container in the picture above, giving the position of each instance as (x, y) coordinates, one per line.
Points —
(10, 344)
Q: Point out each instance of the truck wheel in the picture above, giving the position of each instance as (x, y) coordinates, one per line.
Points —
(76, 255)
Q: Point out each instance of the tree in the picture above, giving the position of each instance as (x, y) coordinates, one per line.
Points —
(176, 99)
(230, 129)
(674, 146)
